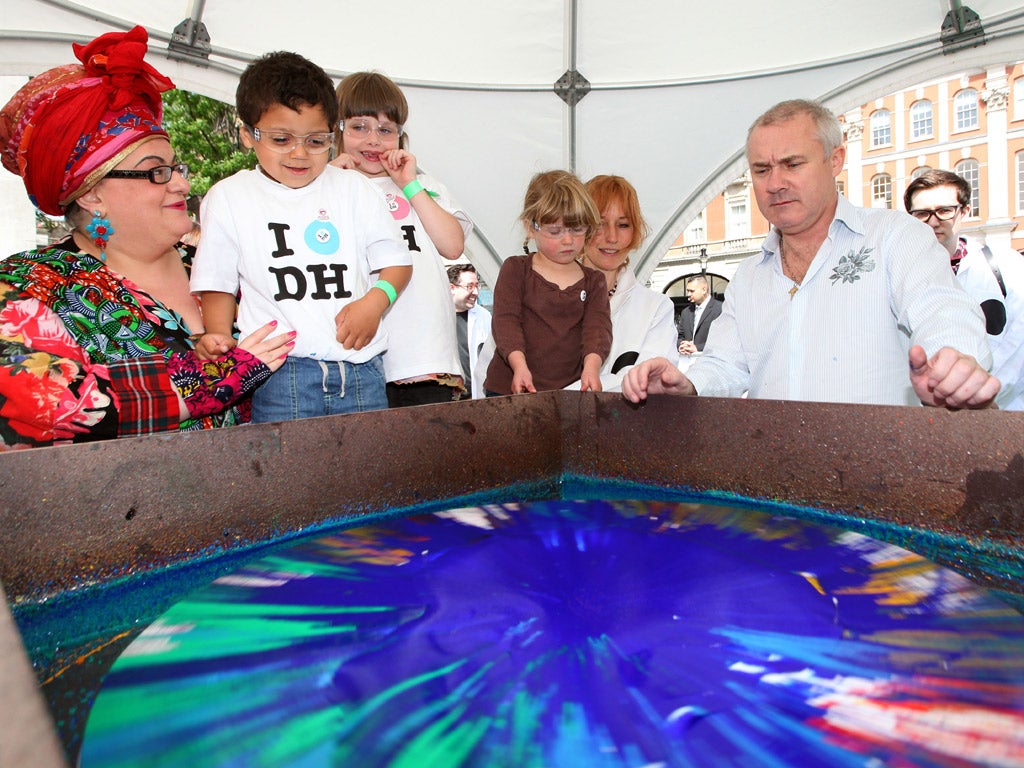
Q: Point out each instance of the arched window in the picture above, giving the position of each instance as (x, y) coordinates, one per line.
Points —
(881, 128)
(921, 119)
(919, 172)
(965, 110)
(969, 170)
(881, 191)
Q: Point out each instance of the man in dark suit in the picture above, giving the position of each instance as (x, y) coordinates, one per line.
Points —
(695, 319)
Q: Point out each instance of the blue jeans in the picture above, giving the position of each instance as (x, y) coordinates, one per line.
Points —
(304, 387)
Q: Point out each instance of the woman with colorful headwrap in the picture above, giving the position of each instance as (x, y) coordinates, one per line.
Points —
(96, 331)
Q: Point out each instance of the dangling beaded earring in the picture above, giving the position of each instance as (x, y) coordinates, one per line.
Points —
(526, 246)
(99, 230)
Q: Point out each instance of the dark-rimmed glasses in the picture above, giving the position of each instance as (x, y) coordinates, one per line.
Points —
(942, 213)
(282, 142)
(158, 174)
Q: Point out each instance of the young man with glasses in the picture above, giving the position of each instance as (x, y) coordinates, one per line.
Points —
(303, 243)
(993, 276)
(472, 322)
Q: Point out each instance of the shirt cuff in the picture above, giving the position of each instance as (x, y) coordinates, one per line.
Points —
(146, 401)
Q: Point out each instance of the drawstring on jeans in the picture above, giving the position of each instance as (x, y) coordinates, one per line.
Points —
(326, 371)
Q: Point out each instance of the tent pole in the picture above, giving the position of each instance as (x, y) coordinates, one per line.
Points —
(573, 40)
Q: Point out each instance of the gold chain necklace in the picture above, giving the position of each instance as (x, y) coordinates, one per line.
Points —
(786, 268)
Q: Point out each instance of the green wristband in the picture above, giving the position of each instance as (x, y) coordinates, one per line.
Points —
(389, 290)
(412, 188)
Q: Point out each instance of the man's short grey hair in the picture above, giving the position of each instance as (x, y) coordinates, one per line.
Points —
(698, 279)
(830, 132)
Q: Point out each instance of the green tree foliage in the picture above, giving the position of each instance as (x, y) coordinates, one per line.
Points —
(204, 135)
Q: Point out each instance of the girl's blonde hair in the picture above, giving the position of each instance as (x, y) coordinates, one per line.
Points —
(554, 195)
(605, 189)
(368, 94)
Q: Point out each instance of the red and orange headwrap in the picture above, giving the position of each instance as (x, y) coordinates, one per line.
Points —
(68, 127)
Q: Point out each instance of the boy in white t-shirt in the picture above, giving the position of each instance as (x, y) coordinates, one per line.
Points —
(301, 242)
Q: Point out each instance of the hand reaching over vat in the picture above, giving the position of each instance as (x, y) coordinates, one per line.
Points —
(522, 377)
(951, 379)
(656, 376)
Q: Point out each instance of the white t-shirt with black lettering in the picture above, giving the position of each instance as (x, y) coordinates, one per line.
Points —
(297, 255)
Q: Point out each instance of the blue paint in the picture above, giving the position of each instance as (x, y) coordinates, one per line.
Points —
(569, 633)
(61, 628)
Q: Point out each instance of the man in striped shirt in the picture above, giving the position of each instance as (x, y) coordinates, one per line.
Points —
(842, 304)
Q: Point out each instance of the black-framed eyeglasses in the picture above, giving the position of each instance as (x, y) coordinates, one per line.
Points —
(942, 213)
(158, 174)
(283, 142)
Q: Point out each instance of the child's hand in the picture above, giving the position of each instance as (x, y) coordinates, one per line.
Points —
(358, 321)
(210, 346)
(590, 382)
(400, 165)
(346, 161)
(522, 381)
(590, 379)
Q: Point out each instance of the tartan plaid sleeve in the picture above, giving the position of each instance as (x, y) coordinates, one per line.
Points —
(146, 401)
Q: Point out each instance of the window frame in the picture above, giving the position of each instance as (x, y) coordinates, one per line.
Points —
(878, 131)
(960, 109)
(915, 120)
(969, 169)
(877, 181)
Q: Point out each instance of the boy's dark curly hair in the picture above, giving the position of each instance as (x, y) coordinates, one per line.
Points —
(288, 79)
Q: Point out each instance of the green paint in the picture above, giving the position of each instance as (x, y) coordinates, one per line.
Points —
(441, 745)
(300, 736)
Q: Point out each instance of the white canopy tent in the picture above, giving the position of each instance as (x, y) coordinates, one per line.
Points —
(660, 92)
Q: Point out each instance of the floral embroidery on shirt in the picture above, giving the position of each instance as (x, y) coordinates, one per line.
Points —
(851, 265)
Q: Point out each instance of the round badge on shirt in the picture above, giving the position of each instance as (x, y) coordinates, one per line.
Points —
(321, 236)
(398, 206)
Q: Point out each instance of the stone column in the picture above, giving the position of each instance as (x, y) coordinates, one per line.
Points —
(855, 157)
(995, 96)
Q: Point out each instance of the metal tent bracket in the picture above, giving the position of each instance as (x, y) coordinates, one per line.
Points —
(572, 87)
(961, 29)
(190, 40)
